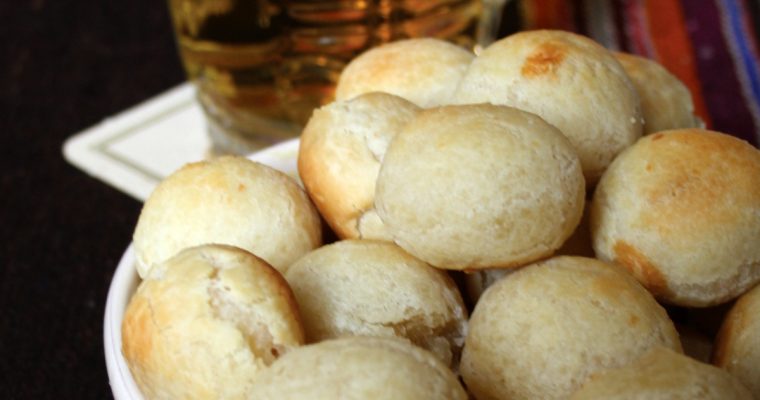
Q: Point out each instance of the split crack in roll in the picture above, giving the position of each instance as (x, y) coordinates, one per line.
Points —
(205, 322)
(367, 287)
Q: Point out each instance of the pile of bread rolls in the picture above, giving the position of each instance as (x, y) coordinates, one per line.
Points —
(569, 192)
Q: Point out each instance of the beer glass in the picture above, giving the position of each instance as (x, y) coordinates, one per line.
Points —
(260, 66)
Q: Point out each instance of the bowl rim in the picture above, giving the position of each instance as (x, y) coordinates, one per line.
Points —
(282, 156)
(123, 285)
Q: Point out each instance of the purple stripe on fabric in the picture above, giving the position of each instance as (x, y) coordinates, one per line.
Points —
(748, 44)
(743, 49)
(720, 86)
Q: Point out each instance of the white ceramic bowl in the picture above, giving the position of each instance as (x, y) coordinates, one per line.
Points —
(282, 156)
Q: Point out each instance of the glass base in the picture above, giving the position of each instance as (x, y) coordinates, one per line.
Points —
(243, 137)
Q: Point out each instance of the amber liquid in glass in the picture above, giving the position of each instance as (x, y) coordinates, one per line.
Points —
(262, 66)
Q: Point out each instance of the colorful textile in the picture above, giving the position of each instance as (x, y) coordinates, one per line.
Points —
(711, 45)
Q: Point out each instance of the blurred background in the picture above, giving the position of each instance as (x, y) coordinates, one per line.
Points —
(710, 45)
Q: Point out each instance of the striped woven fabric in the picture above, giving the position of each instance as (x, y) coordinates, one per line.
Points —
(711, 45)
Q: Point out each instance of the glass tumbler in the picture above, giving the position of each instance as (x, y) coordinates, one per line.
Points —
(260, 67)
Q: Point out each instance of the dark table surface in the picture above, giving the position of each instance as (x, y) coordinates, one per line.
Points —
(66, 65)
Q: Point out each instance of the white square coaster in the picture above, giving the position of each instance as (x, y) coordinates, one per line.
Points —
(137, 148)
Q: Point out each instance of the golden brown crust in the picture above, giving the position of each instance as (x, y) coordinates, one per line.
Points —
(139, 329)
(647, 273)
(424, 71)
(205, 322)
(541, 331)
(545, 59)
(680, 209)
(737, 346)
(678, 187)
(570, 81)
(227, 200)
(339, 156)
